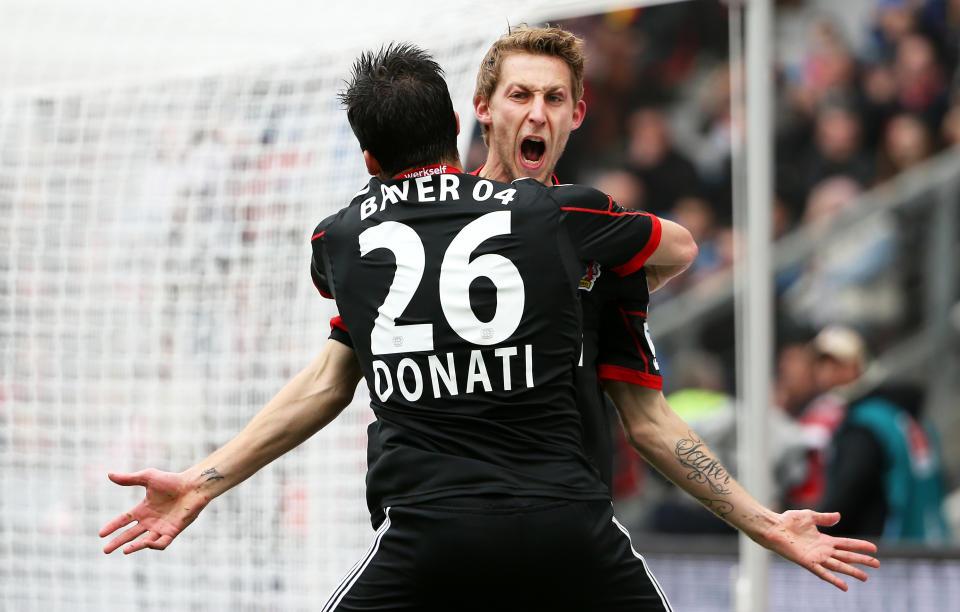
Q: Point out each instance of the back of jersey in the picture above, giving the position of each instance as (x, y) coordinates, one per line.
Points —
(460, 297)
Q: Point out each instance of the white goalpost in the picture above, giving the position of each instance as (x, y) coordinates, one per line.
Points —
(161, 167)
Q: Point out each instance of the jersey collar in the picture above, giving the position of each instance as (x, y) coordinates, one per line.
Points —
(552, 176)
(428, 171)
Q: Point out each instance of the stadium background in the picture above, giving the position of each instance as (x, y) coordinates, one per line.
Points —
(161, 165)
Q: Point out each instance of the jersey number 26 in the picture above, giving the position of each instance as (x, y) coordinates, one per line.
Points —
(457, 272)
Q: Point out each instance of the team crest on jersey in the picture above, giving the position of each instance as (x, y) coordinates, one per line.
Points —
(590, 276)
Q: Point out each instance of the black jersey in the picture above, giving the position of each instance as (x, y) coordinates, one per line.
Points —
(616, 345)
(460, 297)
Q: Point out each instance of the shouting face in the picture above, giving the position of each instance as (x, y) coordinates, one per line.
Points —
(530, 115)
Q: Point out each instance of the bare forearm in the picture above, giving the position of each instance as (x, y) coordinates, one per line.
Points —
(670, 445)
(306, 404)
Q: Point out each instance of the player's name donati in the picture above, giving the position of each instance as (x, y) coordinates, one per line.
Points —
(446, 374)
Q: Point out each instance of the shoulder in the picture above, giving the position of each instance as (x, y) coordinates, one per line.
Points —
(319, 234)
(371, 188)
(581, 197)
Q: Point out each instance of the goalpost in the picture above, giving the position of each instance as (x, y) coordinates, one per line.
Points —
(161, 167)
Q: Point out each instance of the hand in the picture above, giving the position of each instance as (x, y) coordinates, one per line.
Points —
(169, 506)
(797, 539)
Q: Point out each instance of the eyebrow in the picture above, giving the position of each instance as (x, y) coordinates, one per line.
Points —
(527, 87)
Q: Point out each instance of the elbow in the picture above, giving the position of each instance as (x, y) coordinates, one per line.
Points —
(639, 435)
(340, 397)
(688, 250)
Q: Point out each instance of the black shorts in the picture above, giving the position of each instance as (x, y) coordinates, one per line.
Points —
(489, 555)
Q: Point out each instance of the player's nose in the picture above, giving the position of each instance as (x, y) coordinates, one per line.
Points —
(537, 112)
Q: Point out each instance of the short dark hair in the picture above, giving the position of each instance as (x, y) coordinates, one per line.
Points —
(399, 108)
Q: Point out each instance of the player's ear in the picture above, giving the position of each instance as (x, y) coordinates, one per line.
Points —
(579, 112)
(481, 107)
(373, 166)
(456, 116)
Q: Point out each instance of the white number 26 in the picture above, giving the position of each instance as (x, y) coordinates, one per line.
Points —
(457, 272)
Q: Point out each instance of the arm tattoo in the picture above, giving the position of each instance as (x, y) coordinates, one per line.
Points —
(692, 453)
(213, 474)
(717, 506)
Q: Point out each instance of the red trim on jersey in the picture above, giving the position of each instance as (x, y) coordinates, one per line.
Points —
(338, 323)
(476, 172)
(634, 377)
(322, 292)
(636, 341)
(429, 171)
(637, 261)
(315, 236)
(626, 213)
(635, 313)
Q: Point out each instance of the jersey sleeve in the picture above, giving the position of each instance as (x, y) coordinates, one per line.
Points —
(601, 230)
(318, 270)
(338, 332)
(626, 352)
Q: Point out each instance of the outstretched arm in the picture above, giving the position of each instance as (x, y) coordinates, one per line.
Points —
(668, 443)
(306, 404)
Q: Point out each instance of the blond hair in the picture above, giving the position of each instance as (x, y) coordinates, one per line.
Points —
(550, 41)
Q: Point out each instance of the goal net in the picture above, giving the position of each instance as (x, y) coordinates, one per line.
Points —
(161, 168)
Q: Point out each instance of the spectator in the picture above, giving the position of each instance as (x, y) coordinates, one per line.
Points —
(894, 20)
(837, 146)
(907, 142)
(828, 69)
(921, 83)
(711, 137)
(795, 378)
(666, 173)
(884, 472)
(624, 187)
(697, 215)
(878, 103)
(853, 281)
(839, 359)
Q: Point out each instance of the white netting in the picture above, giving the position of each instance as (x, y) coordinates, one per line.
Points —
(160, 173)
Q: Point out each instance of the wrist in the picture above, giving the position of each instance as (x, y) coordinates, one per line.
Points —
(763, 526)
(205, 482)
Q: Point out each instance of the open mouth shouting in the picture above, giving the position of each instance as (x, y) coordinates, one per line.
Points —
(532, 152)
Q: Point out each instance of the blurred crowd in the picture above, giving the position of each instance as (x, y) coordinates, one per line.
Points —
(856, 105)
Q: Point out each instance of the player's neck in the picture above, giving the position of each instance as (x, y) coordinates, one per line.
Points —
(440, 167)
(495, 170)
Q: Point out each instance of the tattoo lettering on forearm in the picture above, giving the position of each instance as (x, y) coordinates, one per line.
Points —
(212, 473)
(692, 453)
(718, 506)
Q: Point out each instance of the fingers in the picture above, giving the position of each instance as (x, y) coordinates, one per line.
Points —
(852, 544)
(127, 480)
(836, 565)
(123, 538)
(852, 557)
(826, 519)
(162, 542)
(121, 521)
(822, 573)
(142, 543)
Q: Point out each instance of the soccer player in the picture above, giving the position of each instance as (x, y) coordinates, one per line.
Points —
(329, 383)
(529, 97)
(461, 303)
